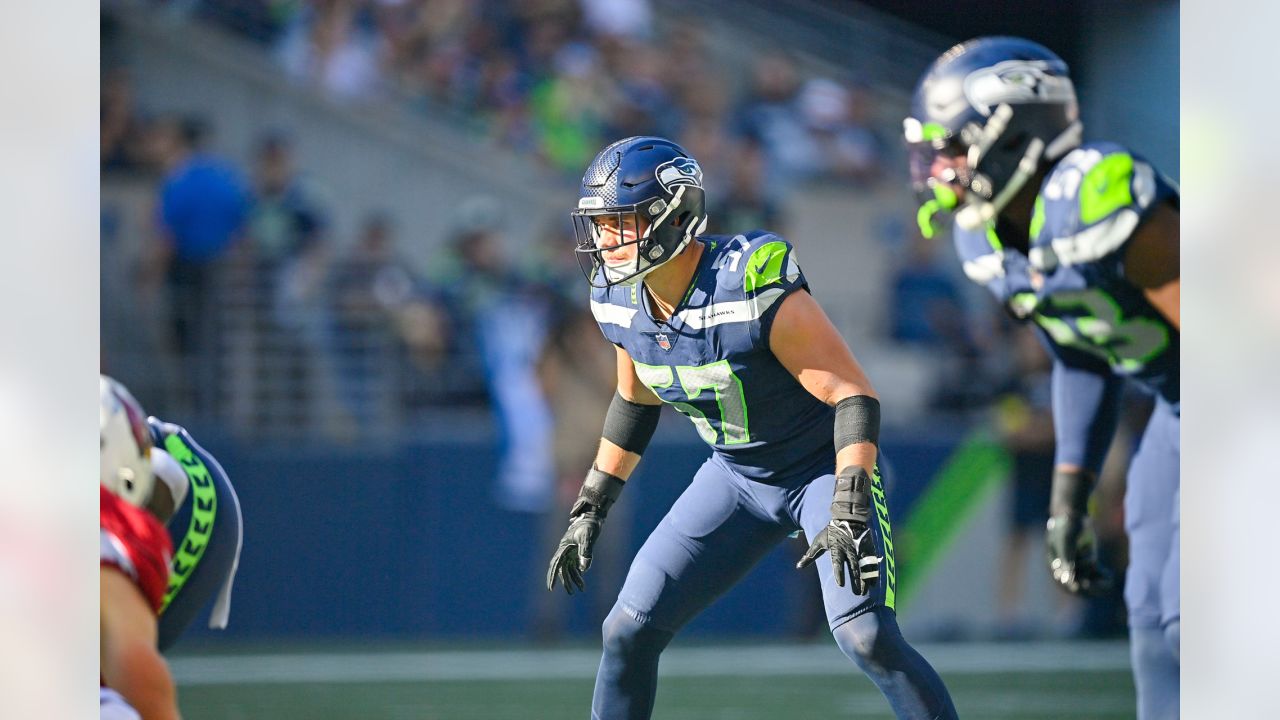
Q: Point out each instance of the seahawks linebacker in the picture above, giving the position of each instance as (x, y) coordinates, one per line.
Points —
(724, 330)
(1082, 240)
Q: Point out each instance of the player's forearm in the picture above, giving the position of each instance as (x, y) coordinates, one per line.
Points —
(861, 454)
(857, 432)
(1086, 407)
(628, 427)
(139, 673)
(614, 460)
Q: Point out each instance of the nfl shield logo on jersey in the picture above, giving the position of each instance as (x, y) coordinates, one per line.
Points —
(663, 339)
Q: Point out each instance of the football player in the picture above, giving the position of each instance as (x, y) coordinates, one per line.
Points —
(1080, 239)
(204, 524)
(134, 552)
(724, 330)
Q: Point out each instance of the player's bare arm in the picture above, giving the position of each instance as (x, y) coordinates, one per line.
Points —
(1152, 263)
(811, 349)
(130, 661)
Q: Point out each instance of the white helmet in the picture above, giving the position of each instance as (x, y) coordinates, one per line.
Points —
(125, 444)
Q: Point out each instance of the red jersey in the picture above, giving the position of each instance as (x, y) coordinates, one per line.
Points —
(133, 540)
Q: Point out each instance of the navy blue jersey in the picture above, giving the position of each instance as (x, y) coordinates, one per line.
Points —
(711, 360)
(1071, 282)
(206, 531)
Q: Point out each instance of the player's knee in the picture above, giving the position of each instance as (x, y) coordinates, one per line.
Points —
(626, 637)
(866, 638)
(1173, 638)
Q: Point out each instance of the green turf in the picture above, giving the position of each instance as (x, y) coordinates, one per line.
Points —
(1029, 696)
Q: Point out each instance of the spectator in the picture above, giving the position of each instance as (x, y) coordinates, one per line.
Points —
(508, 320)
(771, 119)
(202, 208)
(122, 133)
(618, 18)
(288, 212)
(747, 204)
(332, 45)
(379, 308)
(571, 107)
(847, 149)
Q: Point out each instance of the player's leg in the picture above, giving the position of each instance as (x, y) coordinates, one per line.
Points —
(865, 626)
(709, 539)
(1151, 589)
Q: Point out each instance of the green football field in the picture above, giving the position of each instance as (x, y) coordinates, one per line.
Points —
(723, 682)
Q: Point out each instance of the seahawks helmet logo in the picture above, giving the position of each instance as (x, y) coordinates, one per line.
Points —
(680, 171)
(1017, 81)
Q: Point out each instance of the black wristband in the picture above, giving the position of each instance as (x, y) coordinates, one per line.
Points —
(852, 498)
(630, 425)
(599, 491)
(1070, 493)
(857, 420)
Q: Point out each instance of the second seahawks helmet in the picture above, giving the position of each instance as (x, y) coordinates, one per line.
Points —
(1004, 104)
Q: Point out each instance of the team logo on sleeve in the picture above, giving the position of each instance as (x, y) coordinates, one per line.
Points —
(679, 171)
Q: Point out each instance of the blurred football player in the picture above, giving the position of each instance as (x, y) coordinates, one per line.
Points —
(723, 329)
(134, 552)
(204, 524)
(1080, 239)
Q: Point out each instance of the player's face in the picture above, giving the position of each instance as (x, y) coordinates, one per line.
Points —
(619, 232)
(947, 168)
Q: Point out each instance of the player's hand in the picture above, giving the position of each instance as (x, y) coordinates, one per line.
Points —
(1072, 552)
(849, 543)
(599, 492)
(573, 556)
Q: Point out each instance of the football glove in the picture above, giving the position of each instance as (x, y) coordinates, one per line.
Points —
(847, 536)
(1071, 547)
(573, 556)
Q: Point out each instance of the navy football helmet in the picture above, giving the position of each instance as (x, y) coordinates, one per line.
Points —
(1003, 105)
(640, 191)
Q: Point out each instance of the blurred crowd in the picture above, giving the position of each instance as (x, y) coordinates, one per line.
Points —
(557, 79)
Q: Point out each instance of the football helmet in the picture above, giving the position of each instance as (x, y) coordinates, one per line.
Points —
(640, 204)
(994, 110)
(124, 444)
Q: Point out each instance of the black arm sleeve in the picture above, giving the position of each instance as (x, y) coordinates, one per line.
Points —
(630, 425)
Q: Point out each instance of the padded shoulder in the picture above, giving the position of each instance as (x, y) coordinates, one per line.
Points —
(753, 262)
(1091, 203)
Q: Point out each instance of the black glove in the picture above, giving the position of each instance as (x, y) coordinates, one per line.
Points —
(1070, 544)
(599, 491)
(847, 536)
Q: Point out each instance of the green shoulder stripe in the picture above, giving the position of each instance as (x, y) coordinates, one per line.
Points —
(764, 267)
(1106, 187)
(204, 509)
